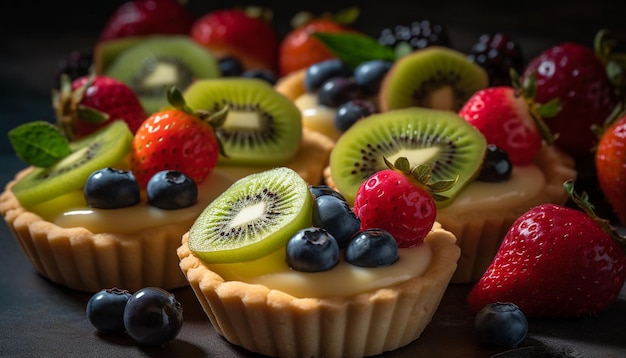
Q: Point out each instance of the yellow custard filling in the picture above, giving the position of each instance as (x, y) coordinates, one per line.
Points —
(525, 183)
(71, 211)
(344, 279)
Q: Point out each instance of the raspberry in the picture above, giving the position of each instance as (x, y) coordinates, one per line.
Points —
(418, 34)
(497, 53)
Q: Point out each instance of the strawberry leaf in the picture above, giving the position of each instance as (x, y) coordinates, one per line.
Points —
(91, 115)
(39, 143)
(354, 48)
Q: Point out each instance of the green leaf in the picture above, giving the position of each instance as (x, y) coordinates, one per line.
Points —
(39, 143)
(549, 109)
(91, 115)
(355, 48)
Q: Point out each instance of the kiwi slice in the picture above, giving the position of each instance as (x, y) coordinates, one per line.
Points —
(262, 127)
(150, 65)
(254, 217)
(101, 149)
(105, 52)
(433, 77)
(439, 138)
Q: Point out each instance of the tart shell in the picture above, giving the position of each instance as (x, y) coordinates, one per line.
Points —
(277, 324)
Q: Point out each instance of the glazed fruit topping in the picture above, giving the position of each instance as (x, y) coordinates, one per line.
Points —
(335, 216)
(171, 189)
(111, 188)
(372, 248)
(496, 167)
(312, 250)
(501, 324)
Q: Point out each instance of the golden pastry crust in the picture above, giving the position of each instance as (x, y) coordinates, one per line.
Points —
(292, 85)
(479, 234)
(274, 323)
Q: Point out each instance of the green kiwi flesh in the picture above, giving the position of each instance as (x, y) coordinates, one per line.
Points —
(439, 138)
(263, 127)
(253, 218)
(150, 65)
(105, 52)
(433, 77)
(103, 148)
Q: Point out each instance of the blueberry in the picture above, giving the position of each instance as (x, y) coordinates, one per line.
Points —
(105, 310)
(171, 189)
(323, 189)
(501, 324)
(372, 248)
(369, 75)
(230, 66)
(350, 112)
(111, 189)
(153, 316)
(318, 73)
(260, 73)
(312, 250)
(337, 90)
(497, 166)
(335, 216)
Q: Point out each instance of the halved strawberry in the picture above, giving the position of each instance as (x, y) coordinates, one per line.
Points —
(147, 17)
(235, 32)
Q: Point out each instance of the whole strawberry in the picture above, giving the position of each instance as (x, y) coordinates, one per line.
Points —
(176, 138)
(147, 17)
(508, 117)
(90, 102)
(299, 48)
(555, 261)
(575, 75)
(400, 200)
(235, 32)
(610, 161)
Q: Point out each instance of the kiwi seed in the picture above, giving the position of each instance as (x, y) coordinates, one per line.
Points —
(103, 148)
(434, 77)
(150, 65)
(263, 127)
(439, 138)
(254, 217)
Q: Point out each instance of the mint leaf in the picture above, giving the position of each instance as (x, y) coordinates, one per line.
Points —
(39, 143)
(355, 48)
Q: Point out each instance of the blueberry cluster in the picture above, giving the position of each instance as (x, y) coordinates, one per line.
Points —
(336, 227)
(111, 188)
(497, 166)
(230, 66)
(348, 90)
(417, 35)
(151, 316)
(498, 53)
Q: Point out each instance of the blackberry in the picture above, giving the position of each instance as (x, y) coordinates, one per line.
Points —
(418, 34)
(75, 64)
(497, 53)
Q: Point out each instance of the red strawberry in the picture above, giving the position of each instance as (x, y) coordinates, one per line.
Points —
(91, 102)
(508, 118)
(610, 161)
(555, 261)
(299, 49)
(178, 139)
(234, 32)
(147, 17)
(575, 75)
(400, 200)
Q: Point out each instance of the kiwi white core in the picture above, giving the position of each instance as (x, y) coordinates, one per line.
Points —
(248, 215)
(417, 156)
(162, 74)
(242, 120)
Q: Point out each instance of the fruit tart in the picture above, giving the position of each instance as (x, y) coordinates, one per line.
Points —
(479, 209)
(273, 276)
(118, 236)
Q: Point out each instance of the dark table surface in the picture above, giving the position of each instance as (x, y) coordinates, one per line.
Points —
(41, 319)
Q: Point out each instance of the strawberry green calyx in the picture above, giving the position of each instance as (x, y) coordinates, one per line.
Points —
(537, 111)
(68, 108)
(582, 200)
(215, 119)
(422, 175)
